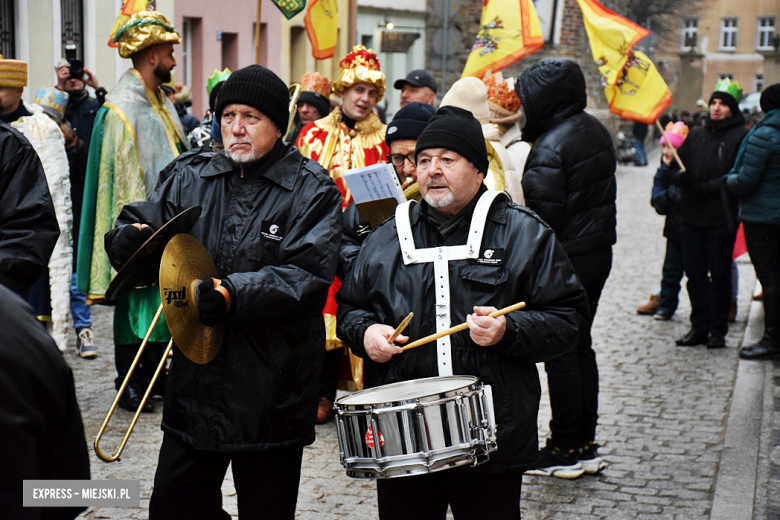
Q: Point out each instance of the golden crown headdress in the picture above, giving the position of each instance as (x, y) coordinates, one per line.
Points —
(316, 83)
(360, 66)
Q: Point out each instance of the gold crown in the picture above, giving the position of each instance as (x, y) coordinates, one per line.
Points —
(316, 83)
(13, 73)
(360, 66)
(52, 98)
(500, 93)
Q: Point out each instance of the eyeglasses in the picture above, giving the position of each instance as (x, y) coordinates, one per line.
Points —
(398, 159)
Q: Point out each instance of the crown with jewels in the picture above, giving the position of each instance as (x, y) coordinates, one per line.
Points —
(217, 78)
(729, 87)
(316, 83)
(53, 101)
(360, 66)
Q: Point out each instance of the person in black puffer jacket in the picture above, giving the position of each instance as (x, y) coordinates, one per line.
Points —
(708, 226)
(569, 180)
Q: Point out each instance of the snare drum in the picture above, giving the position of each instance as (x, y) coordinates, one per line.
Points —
(416, 427)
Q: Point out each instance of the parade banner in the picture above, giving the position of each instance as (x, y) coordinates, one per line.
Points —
(634, 88)
(509, 30)
(129, 8)
(290, 8)
(322, 27)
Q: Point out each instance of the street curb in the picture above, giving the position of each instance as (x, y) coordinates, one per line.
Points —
(735, 487)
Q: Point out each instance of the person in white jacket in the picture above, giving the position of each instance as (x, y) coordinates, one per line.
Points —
(471, 94)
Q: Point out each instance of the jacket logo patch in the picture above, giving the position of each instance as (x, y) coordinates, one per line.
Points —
(491, 256)
(272, 232)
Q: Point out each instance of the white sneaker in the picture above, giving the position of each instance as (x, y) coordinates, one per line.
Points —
(85, 343)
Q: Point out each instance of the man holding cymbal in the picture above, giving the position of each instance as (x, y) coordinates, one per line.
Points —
(462, 239)
(272, 224)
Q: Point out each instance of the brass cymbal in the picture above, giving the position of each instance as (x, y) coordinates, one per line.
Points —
(142, 268)
(184, 262)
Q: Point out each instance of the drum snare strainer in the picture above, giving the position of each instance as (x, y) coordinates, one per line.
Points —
(415, 427)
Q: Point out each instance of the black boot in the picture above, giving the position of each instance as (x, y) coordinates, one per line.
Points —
(769, 346)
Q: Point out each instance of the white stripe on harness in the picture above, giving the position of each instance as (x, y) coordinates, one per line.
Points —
(440, 256)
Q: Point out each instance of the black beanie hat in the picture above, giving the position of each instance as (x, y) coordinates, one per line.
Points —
(318, 101)
(728, 99)
(409, 122)
(259, 88)
(770, 98)
(458, 130)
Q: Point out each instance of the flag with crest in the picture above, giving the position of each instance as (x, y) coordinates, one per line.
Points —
(509, 30)
(634, 88)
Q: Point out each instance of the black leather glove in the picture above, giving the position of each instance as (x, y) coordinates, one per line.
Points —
(127, 242)
(212, 306)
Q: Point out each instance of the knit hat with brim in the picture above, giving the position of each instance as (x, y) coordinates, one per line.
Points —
(456, 129)
(316, 100)
(259, 88)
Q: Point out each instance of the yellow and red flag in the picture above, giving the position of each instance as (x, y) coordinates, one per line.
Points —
(322, 27)
(509, 30)
(634, 88)
(129, 8)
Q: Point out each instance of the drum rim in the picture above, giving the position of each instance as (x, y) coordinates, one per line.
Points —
(474, 383)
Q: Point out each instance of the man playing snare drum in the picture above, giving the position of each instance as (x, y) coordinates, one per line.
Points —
(493, 253)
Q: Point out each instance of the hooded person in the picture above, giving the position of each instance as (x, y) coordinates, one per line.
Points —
(569, 181)
(137, 133)
(516, 258)
(755, 179)
(708, 226)
(351, 136)
(470, 94)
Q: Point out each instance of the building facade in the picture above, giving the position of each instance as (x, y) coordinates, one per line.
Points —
(721, 39)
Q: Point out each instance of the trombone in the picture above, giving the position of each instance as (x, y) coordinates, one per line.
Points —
(295, 91)
(117, 452)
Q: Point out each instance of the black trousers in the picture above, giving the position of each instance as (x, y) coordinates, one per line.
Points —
(471, 495)
(123, 358)
(573, 378)
(188, 483)
(763, 242)
(707, 257)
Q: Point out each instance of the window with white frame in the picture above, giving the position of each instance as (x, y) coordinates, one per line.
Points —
(758, 83)
(690, 34)
(186, 52)
(764, 33)
(728, 34)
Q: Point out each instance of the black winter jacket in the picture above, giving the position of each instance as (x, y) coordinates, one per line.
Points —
(41, 431)
(569, 178)
(666, 201)
(261, 390)
(28, 224)
(532, 267)
(708, 154)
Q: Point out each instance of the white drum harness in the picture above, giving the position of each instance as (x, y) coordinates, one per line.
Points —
(440, 256)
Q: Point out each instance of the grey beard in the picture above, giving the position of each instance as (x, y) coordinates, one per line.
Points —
(242, 158)
(446, 201)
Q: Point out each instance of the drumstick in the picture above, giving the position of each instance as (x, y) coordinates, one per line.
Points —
(462, 326)
(400, 328)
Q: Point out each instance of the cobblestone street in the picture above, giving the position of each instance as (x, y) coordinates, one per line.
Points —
(663, 409)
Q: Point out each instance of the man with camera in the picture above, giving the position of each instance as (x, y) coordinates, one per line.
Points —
(82, 108)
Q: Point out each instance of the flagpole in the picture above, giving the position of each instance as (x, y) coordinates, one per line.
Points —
(674, 150)
(257, 32)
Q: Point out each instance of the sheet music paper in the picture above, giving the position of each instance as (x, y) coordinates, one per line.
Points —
(375, 182)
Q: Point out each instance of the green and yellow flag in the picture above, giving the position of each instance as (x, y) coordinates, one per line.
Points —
(634, 88)
(290, 8)
(129, 8)
(322, 27)
(509, 30)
